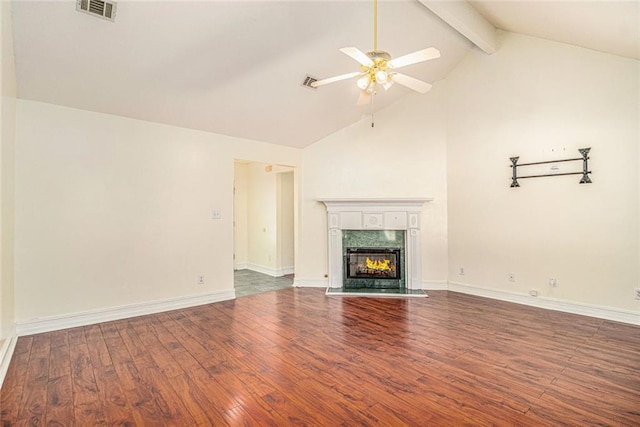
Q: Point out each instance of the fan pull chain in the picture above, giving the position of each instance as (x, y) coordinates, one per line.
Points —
(372, 111)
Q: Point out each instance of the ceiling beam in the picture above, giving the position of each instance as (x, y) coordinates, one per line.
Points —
(463, 18)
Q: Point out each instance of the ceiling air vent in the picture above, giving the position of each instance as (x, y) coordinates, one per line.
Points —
(308, 80)
(99, 8)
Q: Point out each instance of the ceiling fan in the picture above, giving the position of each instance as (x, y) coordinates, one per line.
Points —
(377, 67)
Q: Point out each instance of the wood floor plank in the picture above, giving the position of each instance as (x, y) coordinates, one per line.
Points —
(298, 357)
(60, 401)
(98, 349)
(33, 405)
(13, 387)
(59, 362)
(117, 410)
(88, 408)
(167, 403)
(197, 403)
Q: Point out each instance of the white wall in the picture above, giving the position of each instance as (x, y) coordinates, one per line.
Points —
(7, 148)
(404, 155)
(113, 211)
(262, 225)
(542, 100)
(269, 216)
(240, 215)
(285, 217)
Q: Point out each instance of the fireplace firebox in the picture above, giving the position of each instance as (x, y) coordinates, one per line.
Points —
(380, 267)
(373, 263)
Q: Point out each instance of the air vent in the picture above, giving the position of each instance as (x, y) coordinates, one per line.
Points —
(99, 8)
(308, 80)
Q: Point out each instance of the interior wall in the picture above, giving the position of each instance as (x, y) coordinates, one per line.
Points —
(112, 211)
(270, 220)
(7, 198)
(542, 100)
(262, 225)
(404, 155)
(285, 217)
(240, 215)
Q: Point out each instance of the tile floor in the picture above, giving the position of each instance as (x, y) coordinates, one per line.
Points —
(248, 282)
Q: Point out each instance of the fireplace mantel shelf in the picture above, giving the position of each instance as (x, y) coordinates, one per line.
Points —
(375, 202)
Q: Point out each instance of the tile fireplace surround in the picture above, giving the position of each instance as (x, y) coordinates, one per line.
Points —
(375, 214)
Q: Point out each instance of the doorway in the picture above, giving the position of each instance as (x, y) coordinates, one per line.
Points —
(264, 225)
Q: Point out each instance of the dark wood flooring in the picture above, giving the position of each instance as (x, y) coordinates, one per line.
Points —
(297, 357)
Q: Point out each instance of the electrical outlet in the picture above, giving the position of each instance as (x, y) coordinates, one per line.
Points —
(533, 292)
(636, 293)
(553, 282)
(462, 271)
(512, 277)
(200, 279)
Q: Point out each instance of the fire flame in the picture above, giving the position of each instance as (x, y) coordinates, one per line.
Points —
(380, 265)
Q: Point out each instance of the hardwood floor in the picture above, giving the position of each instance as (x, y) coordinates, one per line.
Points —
(297, 357)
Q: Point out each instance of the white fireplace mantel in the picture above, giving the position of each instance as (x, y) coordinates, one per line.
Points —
(375, 214)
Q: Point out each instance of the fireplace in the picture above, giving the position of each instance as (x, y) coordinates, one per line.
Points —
(379, 224)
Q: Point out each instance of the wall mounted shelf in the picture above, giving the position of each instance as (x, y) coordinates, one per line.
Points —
(585, 168)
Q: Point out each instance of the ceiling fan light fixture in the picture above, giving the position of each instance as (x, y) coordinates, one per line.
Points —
(381, 76)
(363, 82)
(377, 67)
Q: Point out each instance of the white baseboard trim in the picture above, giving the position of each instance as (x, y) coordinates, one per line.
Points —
(73, 320)
(600, 312)
(241, 266)
(287, 270)
(307, 282)
(273, 272)
(435, 285)
(6, 352)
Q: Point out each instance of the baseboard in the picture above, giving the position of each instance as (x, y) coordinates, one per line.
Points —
(306, 282)
(287, 270)
(434, 285)
(6, 352)
(73, 320)
(600, 312)
(273, 272)
(241, 266)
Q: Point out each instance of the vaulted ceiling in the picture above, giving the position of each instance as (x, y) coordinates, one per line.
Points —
(236, 68)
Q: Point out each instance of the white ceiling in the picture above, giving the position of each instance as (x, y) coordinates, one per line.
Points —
(606, 26)
(236, 68)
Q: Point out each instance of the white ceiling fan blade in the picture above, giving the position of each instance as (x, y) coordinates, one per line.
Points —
(358, 55)
(415, 57)
(411, 83)
(365, 98)
(335, 79)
